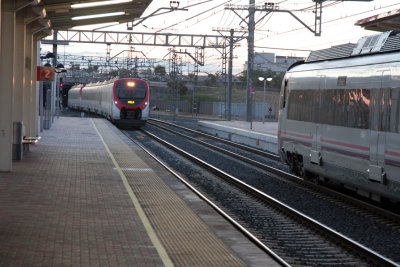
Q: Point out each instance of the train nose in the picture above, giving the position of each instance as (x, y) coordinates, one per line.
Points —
(131, 113)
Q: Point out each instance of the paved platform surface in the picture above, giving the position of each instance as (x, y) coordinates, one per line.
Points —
(84, 196)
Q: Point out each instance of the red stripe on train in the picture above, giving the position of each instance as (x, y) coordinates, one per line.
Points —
(295, 134)
(364, 148)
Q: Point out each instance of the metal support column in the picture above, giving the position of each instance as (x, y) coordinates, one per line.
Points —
(195, 101)
(250, 61)
(54, 84)
(7, 24)
(28, 81)
(229, 91)
(318, 18)
(224, 79)
(19, 67)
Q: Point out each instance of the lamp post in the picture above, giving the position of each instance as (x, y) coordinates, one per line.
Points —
(44, 113)
(59, 70)
(263, 107)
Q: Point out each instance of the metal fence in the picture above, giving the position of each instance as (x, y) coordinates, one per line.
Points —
(238, 110)
(170, 106)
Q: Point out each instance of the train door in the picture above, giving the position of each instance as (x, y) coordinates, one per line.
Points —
(315, 153)
(316, 112)
(380, 116)
(282, 110)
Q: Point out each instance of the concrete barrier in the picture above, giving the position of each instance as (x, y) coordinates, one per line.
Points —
(254, 139)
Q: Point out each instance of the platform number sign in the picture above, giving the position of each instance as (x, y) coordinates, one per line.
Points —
(45, 74)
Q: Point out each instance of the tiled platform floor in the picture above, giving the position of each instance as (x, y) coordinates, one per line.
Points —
(67, 204)
(64, 205)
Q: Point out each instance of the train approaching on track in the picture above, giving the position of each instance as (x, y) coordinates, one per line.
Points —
(125, 102)
(340, 116)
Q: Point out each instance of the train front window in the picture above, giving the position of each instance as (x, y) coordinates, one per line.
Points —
(130, 89)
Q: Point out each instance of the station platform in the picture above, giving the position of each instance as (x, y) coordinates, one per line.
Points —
(86, 195)
(256, 134)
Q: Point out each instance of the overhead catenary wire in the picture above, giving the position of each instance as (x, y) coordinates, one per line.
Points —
(280, 48)
(227, 20)
(333, 20)
(199, 14)
(213, 14)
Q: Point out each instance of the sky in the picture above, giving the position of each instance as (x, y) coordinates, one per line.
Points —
(277, 32)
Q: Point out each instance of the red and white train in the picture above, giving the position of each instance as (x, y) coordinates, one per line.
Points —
(340, 117)
(125, 102)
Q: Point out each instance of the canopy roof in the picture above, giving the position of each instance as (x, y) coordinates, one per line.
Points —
(381, 22)
(61, 14)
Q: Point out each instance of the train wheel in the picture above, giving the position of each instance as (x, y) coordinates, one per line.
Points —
(296, 164)
(291, 163)
(312, 177)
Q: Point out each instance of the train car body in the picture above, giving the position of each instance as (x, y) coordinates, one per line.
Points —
(125, 102)
(339, 122)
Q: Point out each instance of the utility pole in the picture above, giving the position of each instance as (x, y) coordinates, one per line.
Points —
(174, 77)
(250, 60)
(198, 61)
(229, 92)
(268, 8)
(232, 40)
(250, 52)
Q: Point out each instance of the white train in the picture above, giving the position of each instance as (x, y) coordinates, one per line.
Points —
(125, 102)
(339, 116)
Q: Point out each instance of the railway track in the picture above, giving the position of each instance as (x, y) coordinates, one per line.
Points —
(221, 140)
(295, 237)
(319, 191)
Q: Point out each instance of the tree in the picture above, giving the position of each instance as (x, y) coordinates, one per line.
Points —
(159, 70)
(276, 82)
(181, 85)
(212, 79)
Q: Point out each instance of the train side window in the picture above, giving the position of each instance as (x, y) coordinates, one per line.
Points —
(283, 94)
(395, 111)
(291, 109)
(397, 116)
(383, 105)
(340, 108)
(300, 105)
(294, 105)
(307, 111)
(327, 111)
(387, 106)
(316, 95)
(363, 107)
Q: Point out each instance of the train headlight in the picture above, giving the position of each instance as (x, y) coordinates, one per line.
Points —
(130, 84)
(115, 102)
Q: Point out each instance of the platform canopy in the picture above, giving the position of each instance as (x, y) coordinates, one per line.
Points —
(64, 14)
(382, 22)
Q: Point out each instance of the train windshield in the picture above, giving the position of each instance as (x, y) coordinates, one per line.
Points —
(130, 89)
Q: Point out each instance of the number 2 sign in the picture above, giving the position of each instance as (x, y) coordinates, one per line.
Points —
(45, 73)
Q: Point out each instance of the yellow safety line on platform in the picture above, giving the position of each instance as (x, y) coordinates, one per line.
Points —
(150, 231)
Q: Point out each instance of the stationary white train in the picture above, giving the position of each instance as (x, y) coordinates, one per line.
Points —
(339, 116)
(125, 102)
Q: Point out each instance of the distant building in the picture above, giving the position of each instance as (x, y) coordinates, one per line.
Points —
(264, 61)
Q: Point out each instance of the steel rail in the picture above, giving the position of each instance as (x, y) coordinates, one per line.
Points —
(247, 148)
(353, 245)
(296, 179)
(238, 226)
